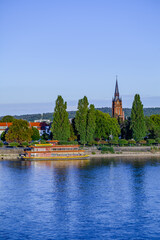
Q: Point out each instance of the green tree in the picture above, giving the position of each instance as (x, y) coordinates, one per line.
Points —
(19, 132)
(7, 118)
(91, 123)
(35, 134)
(73, 136)
(61, 126)
(106, 126)
(126, 132)
(81, 119)
(138, 125)
(153, 126)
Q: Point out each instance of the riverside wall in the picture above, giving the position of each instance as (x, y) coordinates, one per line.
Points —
(7, 153)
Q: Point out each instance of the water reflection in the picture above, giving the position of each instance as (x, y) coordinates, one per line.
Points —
(61, 164)
(80, 199)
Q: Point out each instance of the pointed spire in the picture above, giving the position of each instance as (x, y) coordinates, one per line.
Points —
(116, 95)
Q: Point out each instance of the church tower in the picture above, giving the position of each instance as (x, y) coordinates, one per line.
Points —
(117, 110)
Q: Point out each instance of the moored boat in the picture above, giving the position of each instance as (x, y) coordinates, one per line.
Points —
(53, 151)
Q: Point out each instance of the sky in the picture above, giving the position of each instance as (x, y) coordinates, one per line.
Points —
(76, 48)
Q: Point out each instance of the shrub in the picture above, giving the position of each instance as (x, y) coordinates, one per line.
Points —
(1, 144)
(107, 149)
(151, 141)
(131, 142)
(35, 142)
(93, 153)
(43, 141)
(13, 144)
(68, 143)
(103, 142)
(113, 142)
(157, 140)
(122, 142)
(24, 144)
(142, 142)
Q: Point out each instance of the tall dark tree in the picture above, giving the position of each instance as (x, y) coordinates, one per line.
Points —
(91, 123)
(61, 126)
(81, 119)
(126, 132)
(138, 125)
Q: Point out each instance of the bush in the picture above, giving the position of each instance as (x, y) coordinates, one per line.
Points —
(93, 153)
(107, 149)
(131, 142)
(68, 143)
(157, 140)
(103, 142)
(1, 144)
(43, 141)
(122, 142)
(151, 141)
(35, 142)
(13, 144)
(113, 142)
(142, 142)
(24, 144)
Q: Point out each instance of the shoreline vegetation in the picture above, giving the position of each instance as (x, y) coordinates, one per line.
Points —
(99, 134)
(119, 152)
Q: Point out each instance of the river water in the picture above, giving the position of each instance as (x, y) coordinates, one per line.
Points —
(90, 199)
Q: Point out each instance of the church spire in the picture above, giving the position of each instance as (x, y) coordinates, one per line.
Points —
(116, 94)
(117, 110)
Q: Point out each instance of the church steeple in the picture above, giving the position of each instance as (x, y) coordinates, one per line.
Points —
(116, 94)
(117, 110)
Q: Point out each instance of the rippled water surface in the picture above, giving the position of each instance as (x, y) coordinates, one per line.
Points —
(97, 199)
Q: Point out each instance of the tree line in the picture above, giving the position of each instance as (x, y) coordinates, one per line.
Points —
(89, 125)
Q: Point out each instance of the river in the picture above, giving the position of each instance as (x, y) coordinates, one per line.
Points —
(90, 199)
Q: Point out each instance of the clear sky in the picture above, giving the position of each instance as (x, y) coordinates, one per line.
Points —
(76, 48)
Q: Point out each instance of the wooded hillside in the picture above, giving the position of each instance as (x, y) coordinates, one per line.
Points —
(127, 112)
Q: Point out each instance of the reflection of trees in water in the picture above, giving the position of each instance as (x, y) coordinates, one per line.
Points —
(138, 189)
(19, 164)
(58, 164)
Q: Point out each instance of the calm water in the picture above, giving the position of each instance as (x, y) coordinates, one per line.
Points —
(100, 199)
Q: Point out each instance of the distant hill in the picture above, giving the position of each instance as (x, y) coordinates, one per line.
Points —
(127, 112)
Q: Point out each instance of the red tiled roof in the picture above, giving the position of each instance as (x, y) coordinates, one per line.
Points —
(31, 124)
(4, 124)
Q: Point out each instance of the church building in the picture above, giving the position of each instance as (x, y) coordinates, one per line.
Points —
(117, 110)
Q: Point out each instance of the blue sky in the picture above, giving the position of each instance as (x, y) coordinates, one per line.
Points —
(76, 48)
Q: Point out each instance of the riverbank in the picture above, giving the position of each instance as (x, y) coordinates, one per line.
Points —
(7, 153)
(125, 152)
(126, 155)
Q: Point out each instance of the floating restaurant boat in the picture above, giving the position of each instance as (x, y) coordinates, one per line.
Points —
(53, 151)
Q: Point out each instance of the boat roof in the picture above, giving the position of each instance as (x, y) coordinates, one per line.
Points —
(53, 146)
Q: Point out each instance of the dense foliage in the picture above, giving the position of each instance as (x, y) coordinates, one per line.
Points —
(7, 118)
(19, 132)
(35, 134)
(91, 123)
(81, 119)
(60, 126)
(90, 126)
(106, 126)
(153, 126)
(138, 125)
